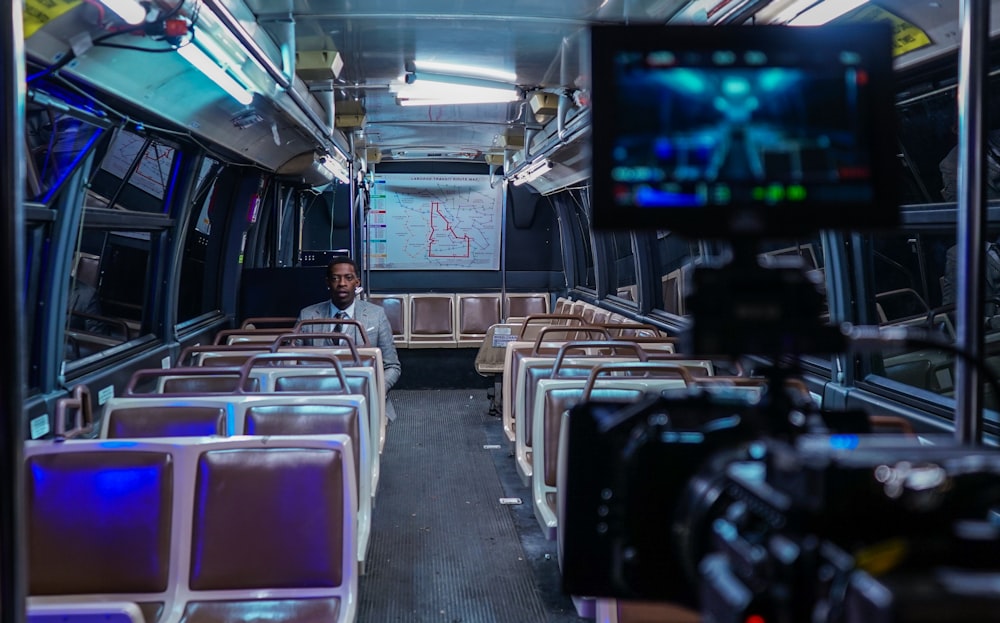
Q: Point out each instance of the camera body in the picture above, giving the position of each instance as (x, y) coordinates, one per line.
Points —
(626, 470)
(689, 497)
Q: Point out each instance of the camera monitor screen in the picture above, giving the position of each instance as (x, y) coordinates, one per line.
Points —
(723, 131)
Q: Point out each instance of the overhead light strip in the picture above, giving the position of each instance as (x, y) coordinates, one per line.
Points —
(812, 13)
(206, 65)
(130, 11)
(432, 89)
(533, 171)
(460, 71)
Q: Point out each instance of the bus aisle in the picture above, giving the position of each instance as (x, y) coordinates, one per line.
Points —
(443, 547)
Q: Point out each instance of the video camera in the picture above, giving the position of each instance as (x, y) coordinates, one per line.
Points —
(683, 498)
(759, 506)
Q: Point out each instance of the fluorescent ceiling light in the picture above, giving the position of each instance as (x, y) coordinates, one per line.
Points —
(130, 11)
(443, 89)
(448, 102)
(813, 13)
(334, 167)
(534, 171)
(455, 69)
(197, 57)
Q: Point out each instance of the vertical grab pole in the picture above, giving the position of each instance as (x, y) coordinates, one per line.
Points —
(12, 180)
(352, 202)
(972, 68)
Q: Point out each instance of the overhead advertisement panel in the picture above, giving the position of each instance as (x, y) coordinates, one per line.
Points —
(434, 221)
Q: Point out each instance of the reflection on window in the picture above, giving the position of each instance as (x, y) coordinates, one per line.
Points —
(135, 173)
(583, 252)
(911, 273)
(199, 291)
(109, 287)
(675, 258)
(621, 278)
(57, 143)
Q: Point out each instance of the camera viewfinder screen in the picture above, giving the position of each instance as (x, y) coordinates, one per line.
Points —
(740, 129)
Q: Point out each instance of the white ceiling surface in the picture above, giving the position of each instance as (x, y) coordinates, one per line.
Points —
(543, 43)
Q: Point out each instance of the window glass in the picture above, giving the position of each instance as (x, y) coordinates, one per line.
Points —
(56, 144)
(621, 277)
(674, 258)
(583, 251)
(109, 287)
(928, 133)
(911, 277)
(135, 173)
(199, 291)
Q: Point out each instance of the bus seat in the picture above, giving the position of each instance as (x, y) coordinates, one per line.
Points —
(234, 485)
(609, 610)
(554, 396)
(88, 268)
(474, 315)
(206, 384)
(397, 310)
(525, 304)
(303, 538)
(432, 320)
(306, 419)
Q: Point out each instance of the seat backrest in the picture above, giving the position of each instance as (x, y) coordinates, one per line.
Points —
(98, 521)
(432, 320)
(397, 310)
(526, 305)
(278, 490)
(305, 419)
(167, 421)
(163, 524)
(103, 611)
(475, 314)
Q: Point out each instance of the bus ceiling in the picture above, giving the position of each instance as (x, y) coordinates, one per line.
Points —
(317, 91)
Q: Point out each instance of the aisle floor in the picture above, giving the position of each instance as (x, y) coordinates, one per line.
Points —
(443, 547)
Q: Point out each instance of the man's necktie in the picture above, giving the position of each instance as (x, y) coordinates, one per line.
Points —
(339, 328)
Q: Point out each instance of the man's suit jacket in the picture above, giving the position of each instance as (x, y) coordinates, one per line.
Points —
(376, 325)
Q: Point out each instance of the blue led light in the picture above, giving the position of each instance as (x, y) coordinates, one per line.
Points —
(843, 442)
(119, 444)
(646, 197)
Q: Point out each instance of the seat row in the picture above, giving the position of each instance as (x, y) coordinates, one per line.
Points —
(579, 354)
(294, 392)
(569, 363)
(443, 320)
(192, 529)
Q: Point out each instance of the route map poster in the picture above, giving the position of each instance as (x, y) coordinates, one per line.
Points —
(433, 221)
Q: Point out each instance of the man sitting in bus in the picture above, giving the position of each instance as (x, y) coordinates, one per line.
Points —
(344, 285)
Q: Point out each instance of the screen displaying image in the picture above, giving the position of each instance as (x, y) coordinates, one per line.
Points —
(748, 126)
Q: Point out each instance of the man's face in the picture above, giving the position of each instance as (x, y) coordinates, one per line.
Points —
(342, 281)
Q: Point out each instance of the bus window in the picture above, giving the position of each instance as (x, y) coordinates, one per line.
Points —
(109, 287)
(908, 270)
(56, 144)
(621, 273)
(674, 258)
(135, 173)
(582, 250)
(199, 286)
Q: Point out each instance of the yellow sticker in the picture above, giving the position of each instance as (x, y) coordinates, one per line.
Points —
(905, 36)
(38, 13)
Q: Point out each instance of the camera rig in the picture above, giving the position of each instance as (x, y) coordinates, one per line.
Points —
(763, 507)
